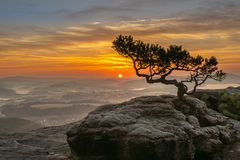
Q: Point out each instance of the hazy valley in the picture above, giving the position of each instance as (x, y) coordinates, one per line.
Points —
(52, 101)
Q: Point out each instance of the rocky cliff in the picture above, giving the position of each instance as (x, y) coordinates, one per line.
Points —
(155, 128)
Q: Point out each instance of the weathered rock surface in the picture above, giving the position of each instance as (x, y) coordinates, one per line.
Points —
(156, 128)
(42, 144)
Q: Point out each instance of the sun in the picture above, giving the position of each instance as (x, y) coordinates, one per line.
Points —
(120, 75)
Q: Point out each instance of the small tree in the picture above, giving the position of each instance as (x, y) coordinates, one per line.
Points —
(156, 63)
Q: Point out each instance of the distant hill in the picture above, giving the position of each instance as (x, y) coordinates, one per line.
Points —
(10, 82)
(12, 125)
(5, 92)
(232, 78)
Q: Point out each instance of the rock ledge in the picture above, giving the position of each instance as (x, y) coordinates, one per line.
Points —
(153, 128)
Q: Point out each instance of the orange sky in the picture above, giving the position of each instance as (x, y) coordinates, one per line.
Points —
(76, 55)
(83, 48)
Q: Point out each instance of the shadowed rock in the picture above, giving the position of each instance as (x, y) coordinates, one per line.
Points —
(42, 144)
(153, 128)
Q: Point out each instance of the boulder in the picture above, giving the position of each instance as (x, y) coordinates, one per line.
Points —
(154, 128)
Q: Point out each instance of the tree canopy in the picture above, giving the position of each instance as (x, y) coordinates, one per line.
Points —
(156, 63)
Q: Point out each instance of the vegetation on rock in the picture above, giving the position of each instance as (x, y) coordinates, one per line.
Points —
(226, 103)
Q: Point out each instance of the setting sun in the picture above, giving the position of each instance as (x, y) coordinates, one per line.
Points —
(120, 75)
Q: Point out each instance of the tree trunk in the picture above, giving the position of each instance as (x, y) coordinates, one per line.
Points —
(181, 90)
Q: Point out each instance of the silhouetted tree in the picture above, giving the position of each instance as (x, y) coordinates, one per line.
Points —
(156, 63)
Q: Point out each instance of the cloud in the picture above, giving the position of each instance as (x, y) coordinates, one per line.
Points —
(96, 10)
(122, 9)
(215, 10)
(210, 29)
(96, 37)
(154, 2)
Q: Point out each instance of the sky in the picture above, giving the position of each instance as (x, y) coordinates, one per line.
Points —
(74, 37)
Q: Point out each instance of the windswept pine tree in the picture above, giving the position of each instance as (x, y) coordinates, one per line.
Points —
(156, 64)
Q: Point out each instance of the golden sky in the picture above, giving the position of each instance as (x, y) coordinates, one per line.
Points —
(77, 41)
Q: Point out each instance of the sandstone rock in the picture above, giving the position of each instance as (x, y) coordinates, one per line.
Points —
(154, 128)
(42, 144)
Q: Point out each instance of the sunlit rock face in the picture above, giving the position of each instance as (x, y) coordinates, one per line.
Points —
(154, 128)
